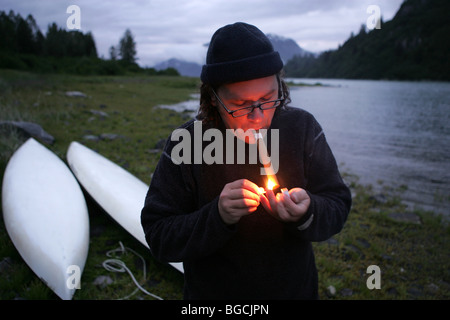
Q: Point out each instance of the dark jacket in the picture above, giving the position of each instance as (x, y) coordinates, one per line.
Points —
(259, 257)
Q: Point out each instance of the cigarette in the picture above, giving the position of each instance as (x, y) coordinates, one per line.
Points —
(272, 182)
(258, 135)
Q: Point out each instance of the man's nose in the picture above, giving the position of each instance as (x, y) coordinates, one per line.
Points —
(257, 115)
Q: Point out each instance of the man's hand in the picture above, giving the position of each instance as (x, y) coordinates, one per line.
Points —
(237, 199)
(287, 208)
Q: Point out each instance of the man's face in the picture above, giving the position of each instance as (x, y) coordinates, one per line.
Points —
(245, 94)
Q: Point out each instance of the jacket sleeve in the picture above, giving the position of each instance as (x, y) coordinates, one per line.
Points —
(330, 197)
(175, 229)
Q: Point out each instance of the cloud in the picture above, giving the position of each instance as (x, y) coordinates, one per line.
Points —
(175, 28)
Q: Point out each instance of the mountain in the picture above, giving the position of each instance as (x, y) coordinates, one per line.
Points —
(184, 68)
(412, 46)
(287, 47)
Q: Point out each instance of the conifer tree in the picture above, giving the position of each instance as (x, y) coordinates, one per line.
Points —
(127, 47)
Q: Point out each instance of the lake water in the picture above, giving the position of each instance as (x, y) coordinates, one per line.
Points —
(394, 132)
(390, 134)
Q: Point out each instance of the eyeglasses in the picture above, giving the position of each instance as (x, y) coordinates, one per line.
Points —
(244, 111)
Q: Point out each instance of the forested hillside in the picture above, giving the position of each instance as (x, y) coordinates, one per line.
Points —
(24, 47)
(414, 45)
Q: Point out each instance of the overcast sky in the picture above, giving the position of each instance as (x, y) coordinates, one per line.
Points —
(166, 29)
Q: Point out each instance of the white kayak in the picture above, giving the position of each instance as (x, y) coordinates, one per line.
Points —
(46, 216)
(116, 190)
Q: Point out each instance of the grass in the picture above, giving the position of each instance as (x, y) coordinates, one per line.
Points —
(413, 258)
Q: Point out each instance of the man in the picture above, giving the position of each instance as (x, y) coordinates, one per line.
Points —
(236, 239)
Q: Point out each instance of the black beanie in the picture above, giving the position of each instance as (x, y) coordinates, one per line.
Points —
(239, 52)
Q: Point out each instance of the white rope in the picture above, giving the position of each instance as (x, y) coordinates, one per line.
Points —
(116, 265)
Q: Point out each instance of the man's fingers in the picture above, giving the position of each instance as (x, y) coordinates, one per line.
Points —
(245, 185)
(243, 203)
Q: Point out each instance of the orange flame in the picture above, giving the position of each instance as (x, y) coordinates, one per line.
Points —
(272, 183)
